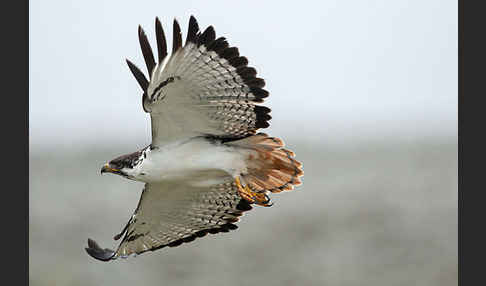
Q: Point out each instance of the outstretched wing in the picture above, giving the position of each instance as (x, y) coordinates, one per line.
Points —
(204, 88)
(171, 213)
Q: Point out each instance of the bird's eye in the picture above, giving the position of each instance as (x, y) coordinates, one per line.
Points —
(115, 164)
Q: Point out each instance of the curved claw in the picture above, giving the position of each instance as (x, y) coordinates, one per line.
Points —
(95, 251)
(267, 202)
(251, 196)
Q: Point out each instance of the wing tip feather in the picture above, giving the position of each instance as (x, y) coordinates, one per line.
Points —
(176, 37)
(193, 31)
(138, 74)
(262, 116)
(207, 37)
(243, 205)
(146, 50)
(95, 251)
(161, 41)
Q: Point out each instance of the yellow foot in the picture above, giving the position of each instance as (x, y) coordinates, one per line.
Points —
(251, 196)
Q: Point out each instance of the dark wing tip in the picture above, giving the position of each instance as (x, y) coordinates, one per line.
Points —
(230, 53)
(221, 228)
(146, 50)
(243, 205)
(95, 251)
(262, 116)
(177, 37)
(139, 76)
(193, 31)
(248, 75)
(161, 42)
(238, 62)
(259, 93)
(207, 37)
(256, 82)
(218, 45)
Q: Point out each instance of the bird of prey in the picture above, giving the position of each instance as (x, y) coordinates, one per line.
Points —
(206, 164)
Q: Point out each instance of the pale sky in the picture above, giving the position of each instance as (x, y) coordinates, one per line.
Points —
(336, 70)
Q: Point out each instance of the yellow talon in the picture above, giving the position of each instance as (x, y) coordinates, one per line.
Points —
(251, 196)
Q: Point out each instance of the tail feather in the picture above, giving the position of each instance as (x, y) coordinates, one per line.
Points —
(270, 167)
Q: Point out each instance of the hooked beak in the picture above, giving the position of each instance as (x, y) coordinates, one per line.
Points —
(107, 169)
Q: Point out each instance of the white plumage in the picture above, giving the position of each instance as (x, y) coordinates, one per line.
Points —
(181, 160)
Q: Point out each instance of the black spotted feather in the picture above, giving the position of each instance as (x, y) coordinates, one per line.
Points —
(171, 214)
(213, 93)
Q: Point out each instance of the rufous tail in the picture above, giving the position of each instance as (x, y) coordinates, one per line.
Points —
(270, 167)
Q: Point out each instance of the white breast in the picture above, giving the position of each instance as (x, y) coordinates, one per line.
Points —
(189, 158)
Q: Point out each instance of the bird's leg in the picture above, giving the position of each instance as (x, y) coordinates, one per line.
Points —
(251, 196)
(244, 192)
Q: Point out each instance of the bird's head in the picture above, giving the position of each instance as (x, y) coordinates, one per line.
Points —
(123, 165)
(112, 168)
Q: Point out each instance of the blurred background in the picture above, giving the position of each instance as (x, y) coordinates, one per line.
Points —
(364, 92)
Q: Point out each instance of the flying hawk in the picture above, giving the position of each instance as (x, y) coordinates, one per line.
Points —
(206, 164)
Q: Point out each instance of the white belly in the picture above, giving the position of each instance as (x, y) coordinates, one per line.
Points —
(189, 160)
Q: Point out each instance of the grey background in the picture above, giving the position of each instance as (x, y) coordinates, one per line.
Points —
(365, 93)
